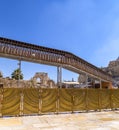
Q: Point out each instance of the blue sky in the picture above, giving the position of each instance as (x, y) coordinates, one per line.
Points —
(87, 28)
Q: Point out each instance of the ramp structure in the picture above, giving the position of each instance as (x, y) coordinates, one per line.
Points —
(62, 59)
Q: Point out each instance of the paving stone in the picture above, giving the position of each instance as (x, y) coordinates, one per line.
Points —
(108, 120)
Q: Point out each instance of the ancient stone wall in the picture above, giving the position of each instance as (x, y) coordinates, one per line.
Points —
(113, 69)
(39, 80)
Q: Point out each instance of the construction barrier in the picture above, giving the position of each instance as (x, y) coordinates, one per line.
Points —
(48, 100)
(30, 101)
(10, 102)
(115, 99)
(92, 99)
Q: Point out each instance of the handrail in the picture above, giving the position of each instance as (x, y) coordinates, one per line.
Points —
(49, 55)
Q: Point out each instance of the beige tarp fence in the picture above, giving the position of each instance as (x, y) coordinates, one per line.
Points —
(10, 102)
(30, 101)
(48, 100)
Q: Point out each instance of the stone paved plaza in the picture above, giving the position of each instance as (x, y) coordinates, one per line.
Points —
(108, 120)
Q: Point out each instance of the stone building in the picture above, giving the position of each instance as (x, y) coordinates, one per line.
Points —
(113, 69)
(40, 79)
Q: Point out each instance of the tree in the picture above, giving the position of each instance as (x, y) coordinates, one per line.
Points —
(17, 74)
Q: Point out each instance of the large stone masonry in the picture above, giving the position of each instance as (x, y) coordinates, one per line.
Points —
(38, 80)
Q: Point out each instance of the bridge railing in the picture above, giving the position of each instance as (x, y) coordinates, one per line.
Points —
(46, 55)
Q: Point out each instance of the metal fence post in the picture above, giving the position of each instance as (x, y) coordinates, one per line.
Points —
(99, 99)
(57, 101)
(40, 100)
(21, 103)
(111, 99)
(73, 100)
(86, 99)
(1, 99)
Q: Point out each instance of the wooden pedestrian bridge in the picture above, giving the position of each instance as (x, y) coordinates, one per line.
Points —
(29, 101)
(23, 51)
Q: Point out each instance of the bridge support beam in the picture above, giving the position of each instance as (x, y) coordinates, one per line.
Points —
(59, 76)
(100, 83)
(86, 81)
(19, 67)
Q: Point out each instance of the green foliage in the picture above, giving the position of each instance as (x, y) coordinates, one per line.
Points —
(17, 74)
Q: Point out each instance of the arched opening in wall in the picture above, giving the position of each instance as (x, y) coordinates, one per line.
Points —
(38, 80)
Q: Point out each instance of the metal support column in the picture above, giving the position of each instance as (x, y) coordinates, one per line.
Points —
(19, 73)
(86, 92)
(93, 83)
(19, 67)
(59, 76)
(86, 80)
(100, 83)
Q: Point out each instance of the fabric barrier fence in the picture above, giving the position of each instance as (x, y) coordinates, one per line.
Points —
(79, 99)
(105, 98)
(92, 99)
(65, 100)
(30, 101)
(11, 102)
(115, 98)
(48, 100)
(1, 99)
